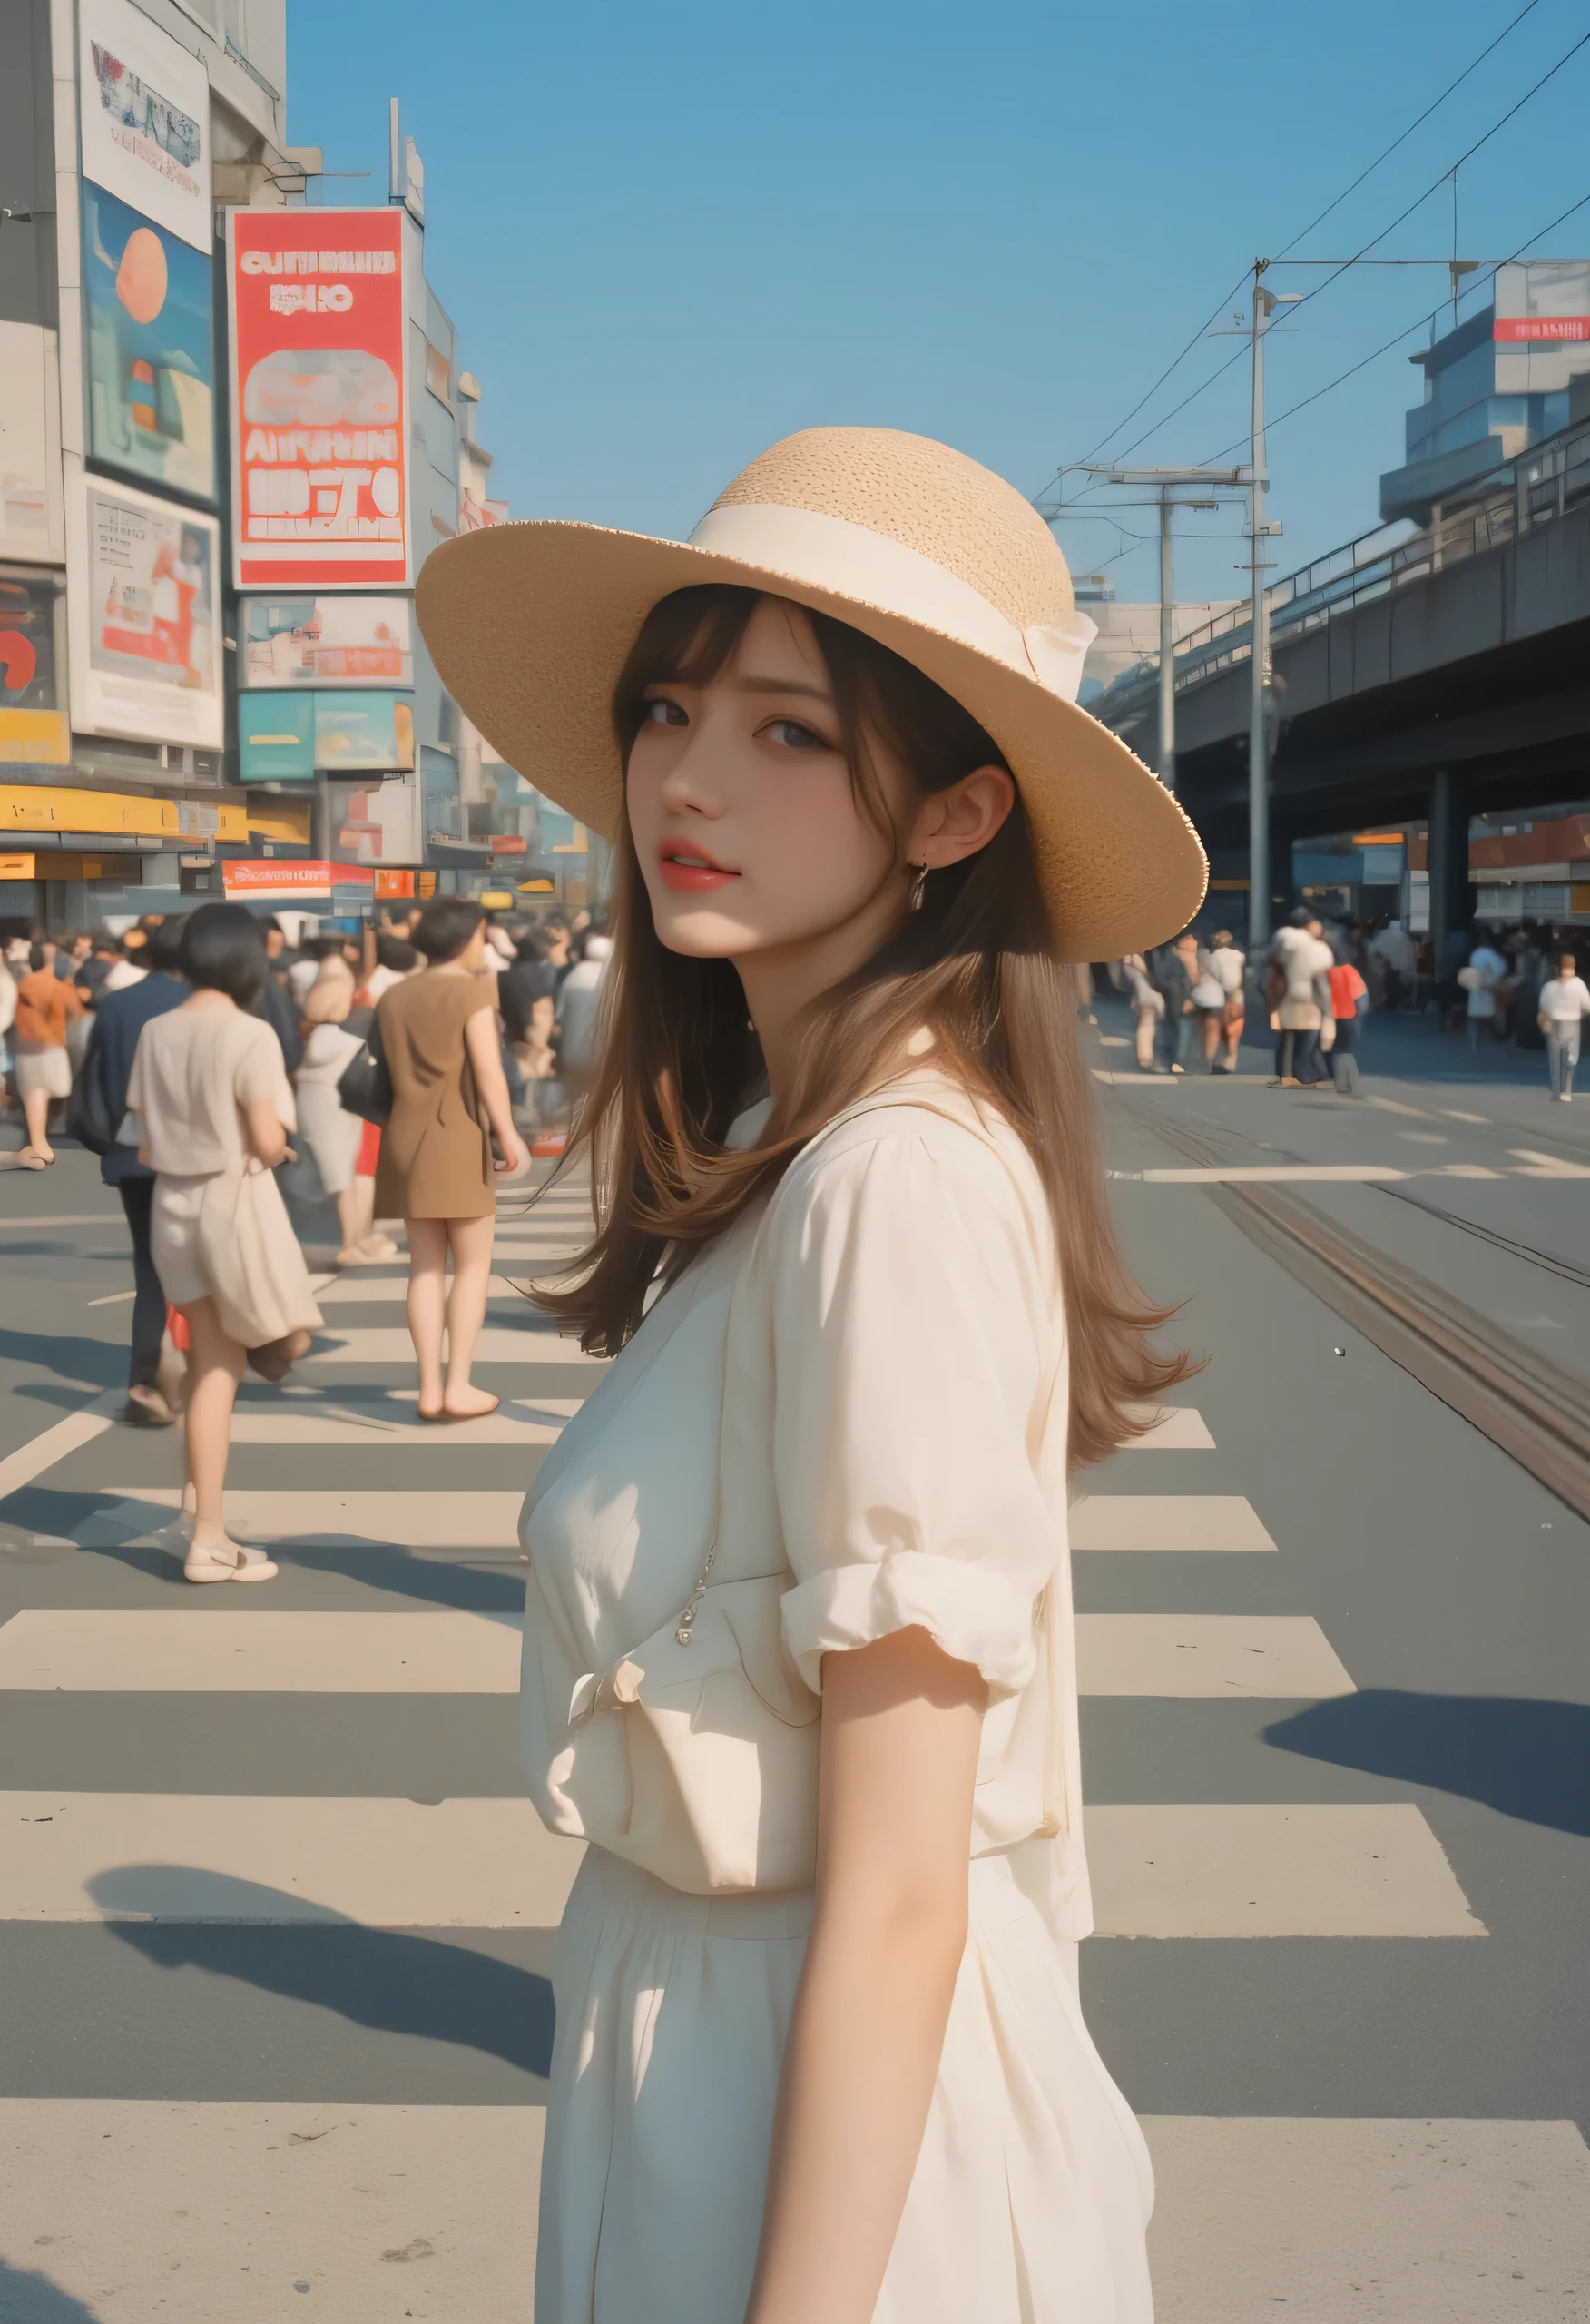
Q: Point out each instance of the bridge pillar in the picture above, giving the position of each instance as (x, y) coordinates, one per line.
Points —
(1452, 897)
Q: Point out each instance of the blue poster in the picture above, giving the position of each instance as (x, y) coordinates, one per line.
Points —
(149, 320)
(276, 737)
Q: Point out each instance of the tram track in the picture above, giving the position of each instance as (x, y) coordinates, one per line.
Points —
(1535, 1410)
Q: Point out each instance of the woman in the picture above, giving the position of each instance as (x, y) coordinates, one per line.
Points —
(436, 1170)
(1299, 962)
(1230, 967)
(1148, 1009)
(214, 1108)
(48, 1009)
(1350, 998)
(798, 1656)
(334, 1136)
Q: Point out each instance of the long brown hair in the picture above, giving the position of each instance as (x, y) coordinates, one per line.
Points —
(974, 965)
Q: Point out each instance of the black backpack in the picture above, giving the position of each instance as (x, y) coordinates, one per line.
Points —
(89, 1115)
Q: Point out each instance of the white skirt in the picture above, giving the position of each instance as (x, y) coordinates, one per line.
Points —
(1032, 2192)
(228, 1238)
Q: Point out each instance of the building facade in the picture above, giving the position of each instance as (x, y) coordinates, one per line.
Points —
(233, 426)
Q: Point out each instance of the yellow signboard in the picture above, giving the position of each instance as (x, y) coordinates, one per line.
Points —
(35, 737)
(40, 807)
(16, 867)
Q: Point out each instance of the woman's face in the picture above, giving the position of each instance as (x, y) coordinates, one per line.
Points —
(748, 834)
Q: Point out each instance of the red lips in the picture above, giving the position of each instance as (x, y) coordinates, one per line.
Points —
(689, 870)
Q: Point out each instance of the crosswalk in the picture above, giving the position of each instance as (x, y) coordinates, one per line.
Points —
(402, 1587)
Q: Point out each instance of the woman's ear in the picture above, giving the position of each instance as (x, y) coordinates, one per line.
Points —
(952, 824)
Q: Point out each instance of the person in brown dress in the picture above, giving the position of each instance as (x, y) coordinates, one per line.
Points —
(437, 1169)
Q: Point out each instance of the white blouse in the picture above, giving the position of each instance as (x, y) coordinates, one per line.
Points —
(846, 1417)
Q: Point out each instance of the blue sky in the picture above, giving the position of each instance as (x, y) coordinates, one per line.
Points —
(670, 236)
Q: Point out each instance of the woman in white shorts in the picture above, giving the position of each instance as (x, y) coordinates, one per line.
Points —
(211, 1097)
(333, 1134)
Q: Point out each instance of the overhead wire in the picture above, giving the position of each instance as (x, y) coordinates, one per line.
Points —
(1418, 324)
(1384, 156)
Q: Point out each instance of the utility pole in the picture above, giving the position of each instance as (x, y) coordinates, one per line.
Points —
(1162, 483)
(1259, 330)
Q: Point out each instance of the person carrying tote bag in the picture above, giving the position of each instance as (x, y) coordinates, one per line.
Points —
(213, 1107)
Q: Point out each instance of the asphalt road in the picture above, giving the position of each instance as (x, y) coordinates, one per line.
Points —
(275, 1920)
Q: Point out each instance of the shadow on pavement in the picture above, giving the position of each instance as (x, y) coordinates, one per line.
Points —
(99, 1363)
(27, 2297)
(1524, 1758)
(385, 1980)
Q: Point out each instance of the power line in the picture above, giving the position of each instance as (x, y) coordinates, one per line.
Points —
(1412, 125)
(1309, 296)
(1223, 304)
(1418, 325)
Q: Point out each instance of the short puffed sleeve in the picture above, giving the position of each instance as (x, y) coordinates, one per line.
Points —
(916, 1343)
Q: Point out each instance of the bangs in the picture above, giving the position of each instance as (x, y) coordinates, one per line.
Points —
(687, 639)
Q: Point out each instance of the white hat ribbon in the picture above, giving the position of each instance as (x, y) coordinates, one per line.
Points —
(831, 554)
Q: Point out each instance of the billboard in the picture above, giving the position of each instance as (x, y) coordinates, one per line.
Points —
(291, 737)
(145, 115)
(320, 431)
(150, 326)
(324, 642)
(32, 524)
(377, 823)
(1541, 302)
(144, 606)
(35, 730)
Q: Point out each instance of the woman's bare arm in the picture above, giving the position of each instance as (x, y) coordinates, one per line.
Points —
(900, 1729)
(480, 1039)
(262, 1130)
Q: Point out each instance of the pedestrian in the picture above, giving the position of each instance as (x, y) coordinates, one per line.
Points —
(1176, 973)
(333, 1135)
(437, 1169)
(1231, 967)
(578, 1010)
(813, 1528)
(46, 1006)
(213, 1109)
(395, 960)
(1565, 1003)
(1148, 1009)
(107, 1070)
(1480, 980)
(1349, 1001)
(1300, 962)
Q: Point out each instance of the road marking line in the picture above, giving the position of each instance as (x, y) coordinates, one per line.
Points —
(1221, 1655)
(354, 1290)
(406, 1519)
(41, 1451)
(113, 1299)
(1203, 1869)
(100, 1856)
(1394, 1106)
(15, 1226)
(1480, 1121)
(1465, 1171)
(1174, 1428)
(1193, 1521)
(350, 1425)
(1449, 2221)
(322, 2198)
(1546, 1165)
(1260, 1173)
(379, 1345)
(209, 1649)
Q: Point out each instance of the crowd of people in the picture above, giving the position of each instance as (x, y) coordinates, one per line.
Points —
(208, 1062)
(1319, 980)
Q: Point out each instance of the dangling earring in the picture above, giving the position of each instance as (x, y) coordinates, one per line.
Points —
(918, 885)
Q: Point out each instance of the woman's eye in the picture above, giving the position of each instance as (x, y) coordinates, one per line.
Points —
(793, 736)
(664, 714)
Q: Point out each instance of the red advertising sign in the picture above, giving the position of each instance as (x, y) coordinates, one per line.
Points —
(320, 414)
(249, 876)
(1511, 328)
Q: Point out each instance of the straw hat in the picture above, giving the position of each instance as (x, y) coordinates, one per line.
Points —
(914, 544)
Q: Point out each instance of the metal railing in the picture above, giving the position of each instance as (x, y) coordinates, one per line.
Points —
(1536, 488)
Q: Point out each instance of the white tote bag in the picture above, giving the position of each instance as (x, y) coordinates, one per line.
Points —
(251, 1259)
